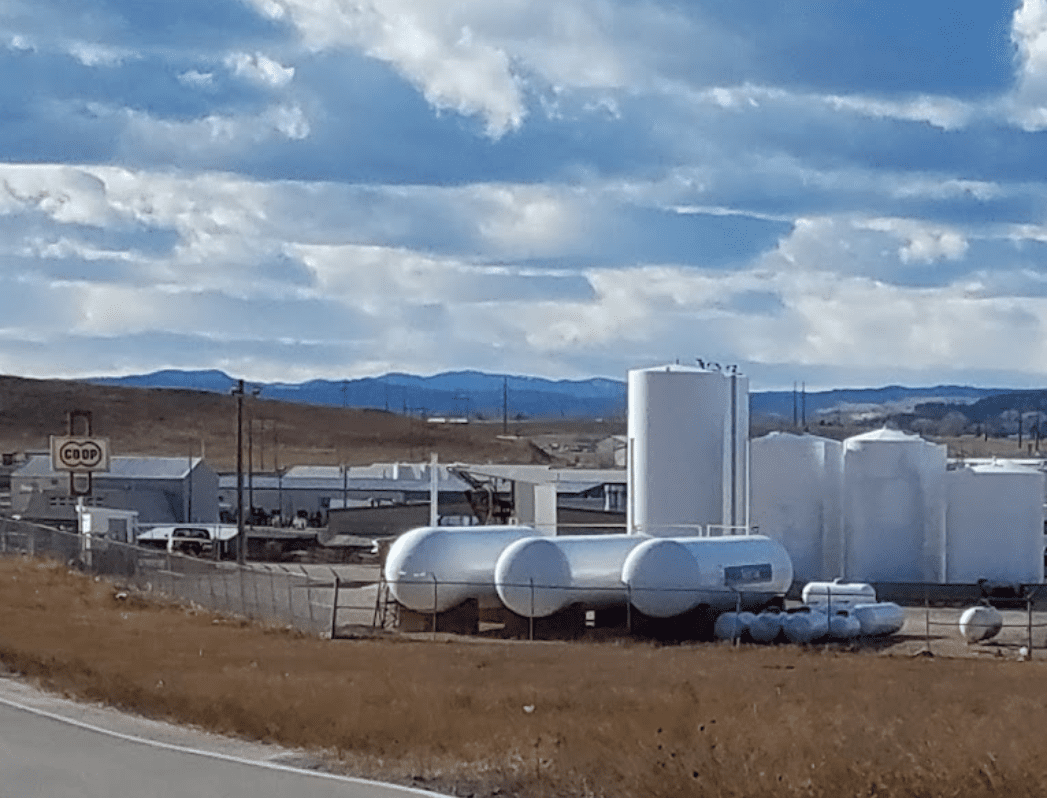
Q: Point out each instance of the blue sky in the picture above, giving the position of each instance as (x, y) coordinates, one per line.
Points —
(849, 193)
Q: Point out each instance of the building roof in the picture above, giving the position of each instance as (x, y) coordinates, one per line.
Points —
(39, 465)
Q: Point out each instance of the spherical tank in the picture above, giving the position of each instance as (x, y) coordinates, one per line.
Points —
(688, 459)
(538, 576)
(894, 508)
(994, 524)
(436, 568)
(795, 495)
(664, 581)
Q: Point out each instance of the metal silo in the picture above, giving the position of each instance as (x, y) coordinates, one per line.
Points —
(894, 508)
(796, 488)
(688, 451)
(994, 524)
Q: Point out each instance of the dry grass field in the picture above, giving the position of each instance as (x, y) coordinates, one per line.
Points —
(488, 717)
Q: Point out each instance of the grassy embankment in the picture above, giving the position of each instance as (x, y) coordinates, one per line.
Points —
(608, 719)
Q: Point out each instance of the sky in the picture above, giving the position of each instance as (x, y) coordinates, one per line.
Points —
(841, 192)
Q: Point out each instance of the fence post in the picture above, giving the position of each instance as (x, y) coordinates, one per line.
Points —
(1028, 601)
(3, 538)
(243, 597)
(272, 591)
(334, 606)
(290, 595)
(434, 604)
(530, 620)
(927, 619)
(309, 596)
(737, 612)
(629, 609)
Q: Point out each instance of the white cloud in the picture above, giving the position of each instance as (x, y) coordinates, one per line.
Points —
(197, 79)
(940, 112)
(260, 69)
(92, 54)
(924, 243)
(1027, 104)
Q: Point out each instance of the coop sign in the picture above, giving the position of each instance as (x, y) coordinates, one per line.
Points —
(79, 454)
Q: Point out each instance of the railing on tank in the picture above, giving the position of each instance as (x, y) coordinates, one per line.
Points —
(695, 530)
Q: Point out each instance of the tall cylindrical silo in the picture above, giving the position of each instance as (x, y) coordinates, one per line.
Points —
(688, 450)
(894, 508)
(994, 524)
(796, 490)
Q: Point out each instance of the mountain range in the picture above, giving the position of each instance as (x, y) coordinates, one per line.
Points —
(477, 394)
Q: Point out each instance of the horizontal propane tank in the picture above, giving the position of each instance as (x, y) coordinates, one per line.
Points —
(433, 568)
(882, 618)
(669, 576)
(539, 576)
(838, 593)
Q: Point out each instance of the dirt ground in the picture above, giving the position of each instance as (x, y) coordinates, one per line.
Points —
(621, 718)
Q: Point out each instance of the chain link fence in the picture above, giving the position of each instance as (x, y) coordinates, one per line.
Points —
(300, 597)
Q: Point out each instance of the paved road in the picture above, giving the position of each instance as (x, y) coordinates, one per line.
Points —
(48, 749)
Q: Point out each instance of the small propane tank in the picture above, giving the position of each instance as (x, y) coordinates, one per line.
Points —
(980, 623)
(882, 618)
(805, 626)
(732, 625)
(766, 627)
(843, 625)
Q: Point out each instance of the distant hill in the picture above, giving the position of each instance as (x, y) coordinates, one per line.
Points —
(472, 393)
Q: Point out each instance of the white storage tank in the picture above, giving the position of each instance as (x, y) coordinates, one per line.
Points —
(437, 568)
(980, 623)
(994, 524)
(881, 618)
(667, 577)
(894, 508)
(538, 576)
(796, 490)
(838, 593)
(688, 458)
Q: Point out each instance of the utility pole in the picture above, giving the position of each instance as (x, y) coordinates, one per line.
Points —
(505, 405)
(241, 541)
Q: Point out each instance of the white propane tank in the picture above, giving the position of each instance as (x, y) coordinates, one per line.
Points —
(805, 625)
(882, 618)
(732, 625)
(980, 623)
(669, 576)
(538, 576)
(447, 565)
(766, 627)
(838, 593)
(843, 625)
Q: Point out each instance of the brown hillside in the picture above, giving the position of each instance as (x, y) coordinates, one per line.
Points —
(169, 422)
